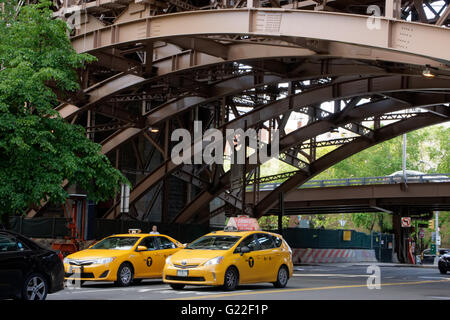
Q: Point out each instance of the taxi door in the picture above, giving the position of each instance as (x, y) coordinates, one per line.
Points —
(165, 249)
(246, 263)
(144, 260)
(268, 257)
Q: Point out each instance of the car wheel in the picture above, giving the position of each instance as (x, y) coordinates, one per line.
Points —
(35, 287)
(231, 279)
(124, 275)
(282, 277)
(442, 270)
(177, 286)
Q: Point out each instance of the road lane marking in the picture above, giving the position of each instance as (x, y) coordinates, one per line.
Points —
(440, 298)
(309, 289)
(331, 275)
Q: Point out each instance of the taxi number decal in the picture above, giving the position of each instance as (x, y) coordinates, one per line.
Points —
(251, 262)
(149, 261)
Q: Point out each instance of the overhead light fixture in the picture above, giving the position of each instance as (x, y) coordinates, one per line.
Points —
(153, 130)
(427, 73)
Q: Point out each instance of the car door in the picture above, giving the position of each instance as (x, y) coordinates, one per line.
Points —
(144, 266)
(14, 264)
(267, 257)
(246, 262)
(165, 249)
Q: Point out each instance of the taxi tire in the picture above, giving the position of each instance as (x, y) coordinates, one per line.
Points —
(231, 279)
(282, 277)
(120, 281)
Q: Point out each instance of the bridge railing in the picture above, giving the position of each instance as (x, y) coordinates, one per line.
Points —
(422, 178)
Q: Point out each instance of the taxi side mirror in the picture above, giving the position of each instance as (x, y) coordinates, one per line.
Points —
(245, 249)
(141, 248)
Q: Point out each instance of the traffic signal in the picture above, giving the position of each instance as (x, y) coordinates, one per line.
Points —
(431, 224)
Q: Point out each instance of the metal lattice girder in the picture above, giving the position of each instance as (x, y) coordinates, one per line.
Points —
(123, 81)
(336, 91)
(297, 137)
(321, 164)
(345, 151)
(394, 37)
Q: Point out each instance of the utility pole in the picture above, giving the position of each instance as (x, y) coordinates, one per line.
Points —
(404, 158)
(437, 237)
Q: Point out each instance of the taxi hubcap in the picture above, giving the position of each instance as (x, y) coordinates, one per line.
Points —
(282, 275)
(231, 278)
(125, 275)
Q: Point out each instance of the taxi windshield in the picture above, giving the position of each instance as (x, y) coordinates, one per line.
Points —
(116, 243)
(213, 243)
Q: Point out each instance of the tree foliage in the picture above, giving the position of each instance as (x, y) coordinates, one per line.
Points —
(38, 149)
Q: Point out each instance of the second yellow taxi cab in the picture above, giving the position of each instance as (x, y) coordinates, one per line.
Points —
(122, 258)
(227, 259)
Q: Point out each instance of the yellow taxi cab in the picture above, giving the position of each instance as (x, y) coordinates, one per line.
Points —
(230, 258)
(122, 258)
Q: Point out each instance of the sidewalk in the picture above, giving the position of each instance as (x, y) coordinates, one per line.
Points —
(380, 264)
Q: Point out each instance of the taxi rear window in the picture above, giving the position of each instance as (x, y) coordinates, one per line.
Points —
(214, 243)
(116, 243)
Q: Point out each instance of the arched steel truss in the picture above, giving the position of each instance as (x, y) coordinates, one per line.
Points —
(157, 72)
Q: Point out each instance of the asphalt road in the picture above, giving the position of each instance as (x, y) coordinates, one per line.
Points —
(320, 282)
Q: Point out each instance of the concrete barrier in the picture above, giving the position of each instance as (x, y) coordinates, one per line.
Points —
(309, 255)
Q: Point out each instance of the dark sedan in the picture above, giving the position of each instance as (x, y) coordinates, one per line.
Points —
(428, 258)
(444, 263)
(27, 270)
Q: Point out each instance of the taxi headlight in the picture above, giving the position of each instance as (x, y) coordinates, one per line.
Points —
(214, 261)
(103, 260)
(67, 260)
(168, 261)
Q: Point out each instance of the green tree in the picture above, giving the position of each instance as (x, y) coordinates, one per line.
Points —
(38, 149)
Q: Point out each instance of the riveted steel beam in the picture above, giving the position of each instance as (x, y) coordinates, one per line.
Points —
(395, 36)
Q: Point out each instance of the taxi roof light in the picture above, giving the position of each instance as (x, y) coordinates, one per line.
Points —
(242, 223)
(134, 231)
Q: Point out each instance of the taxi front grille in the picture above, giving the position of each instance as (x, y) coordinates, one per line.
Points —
(84, 275)
(81, 262)
(186, 266)
(185, 278)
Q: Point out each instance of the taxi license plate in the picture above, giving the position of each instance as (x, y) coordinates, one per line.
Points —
(182, 273)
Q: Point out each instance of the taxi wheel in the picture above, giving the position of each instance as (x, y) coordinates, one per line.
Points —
(282, 277)
(124, 275)
(231, 279)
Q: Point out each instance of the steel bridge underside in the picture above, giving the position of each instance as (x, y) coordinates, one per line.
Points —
(160, 69)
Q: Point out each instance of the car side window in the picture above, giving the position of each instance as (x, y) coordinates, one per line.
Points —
(277, 241)
(11, 244)
(165, 243)
(149, 242)
(265, 241)
(251, 241)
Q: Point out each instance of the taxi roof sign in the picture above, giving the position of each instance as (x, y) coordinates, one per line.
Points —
(134, 231)
(242, 223)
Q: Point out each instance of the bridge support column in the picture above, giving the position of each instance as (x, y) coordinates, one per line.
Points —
(401, 236)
